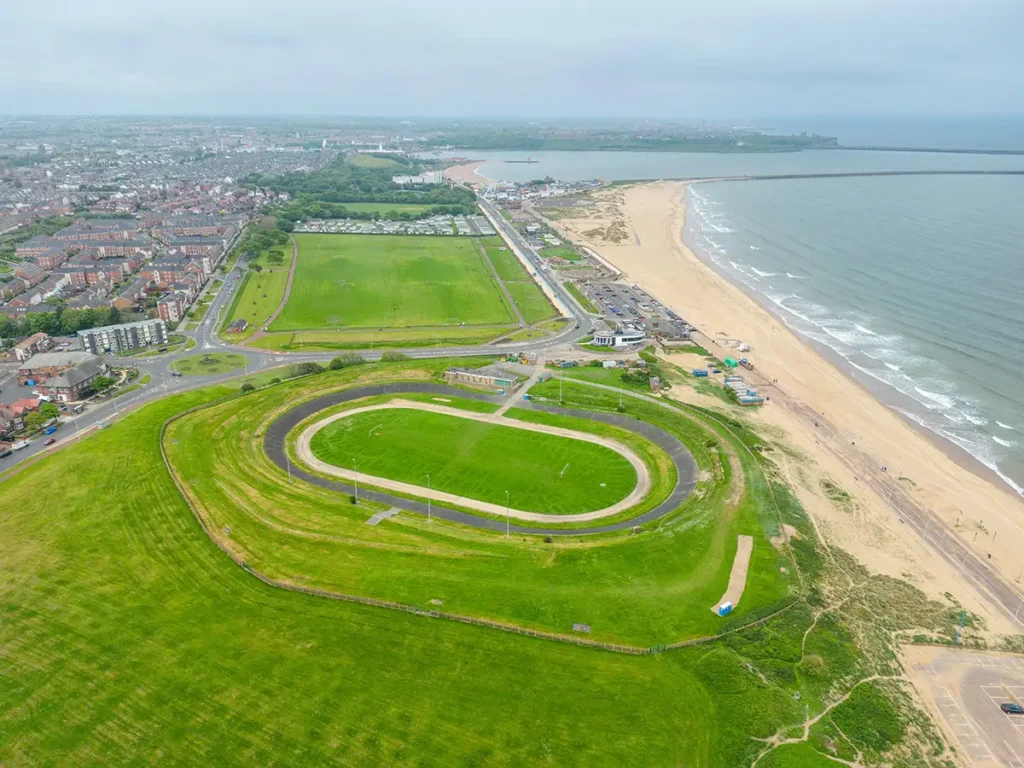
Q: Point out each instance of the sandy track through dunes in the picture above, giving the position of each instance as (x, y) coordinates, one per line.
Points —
(738, 575)
(640, 490)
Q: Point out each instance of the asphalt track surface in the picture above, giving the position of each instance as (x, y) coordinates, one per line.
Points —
(686, 466)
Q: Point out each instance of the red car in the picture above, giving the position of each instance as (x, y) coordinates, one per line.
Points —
(50, 441)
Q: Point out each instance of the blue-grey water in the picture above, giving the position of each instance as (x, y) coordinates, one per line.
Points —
(618, 166)
(915, 281)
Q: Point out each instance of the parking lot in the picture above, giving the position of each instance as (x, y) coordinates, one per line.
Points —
(621, 303)
(964, 689)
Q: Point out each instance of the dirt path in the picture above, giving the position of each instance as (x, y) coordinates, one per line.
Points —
(515, 394)
(738, 576)
(643, 486)
(284, 299)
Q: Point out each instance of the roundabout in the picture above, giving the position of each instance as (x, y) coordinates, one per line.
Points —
(395, 492)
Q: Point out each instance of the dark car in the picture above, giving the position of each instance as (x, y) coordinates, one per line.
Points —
(1012, 709)
(50, 441)
(5, 452)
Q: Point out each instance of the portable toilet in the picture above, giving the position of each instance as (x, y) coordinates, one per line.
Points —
(731, 363)
(725, 609)
(527, 396)
(501, 391)
(699, 373)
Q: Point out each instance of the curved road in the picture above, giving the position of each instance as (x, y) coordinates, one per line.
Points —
(686, 466)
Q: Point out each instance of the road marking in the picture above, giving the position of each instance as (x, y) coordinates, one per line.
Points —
(976, 747)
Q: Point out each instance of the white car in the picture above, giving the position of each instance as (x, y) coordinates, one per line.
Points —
(20, 444)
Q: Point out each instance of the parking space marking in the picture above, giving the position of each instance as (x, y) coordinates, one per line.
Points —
(965, 732)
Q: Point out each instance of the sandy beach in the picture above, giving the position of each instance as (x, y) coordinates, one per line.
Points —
(466, 173)
(842, 434)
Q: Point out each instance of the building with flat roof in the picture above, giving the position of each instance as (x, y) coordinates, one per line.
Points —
(120, 338)
(490, 376)
(623, 336)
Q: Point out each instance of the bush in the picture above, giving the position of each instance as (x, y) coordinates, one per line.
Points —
(346, 361)
(393, 357)
(305, 369)
(275, 381)
(869, 719)
(248, 387)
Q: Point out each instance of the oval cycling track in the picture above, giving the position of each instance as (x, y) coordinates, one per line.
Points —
(686, 467)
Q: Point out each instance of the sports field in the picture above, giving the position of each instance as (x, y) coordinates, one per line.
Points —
(129, 638)
(542, 473)
(365, 281)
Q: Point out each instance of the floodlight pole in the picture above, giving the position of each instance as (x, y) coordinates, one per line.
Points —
(506, 514)
(1016, 614)
(428, 498)
(288, 461)
(355, 478)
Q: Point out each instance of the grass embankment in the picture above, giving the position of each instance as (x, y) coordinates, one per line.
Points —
(532, 303)
(364, 338)
(113, 595)
(540, 472)
(378, 281)
(584, 302)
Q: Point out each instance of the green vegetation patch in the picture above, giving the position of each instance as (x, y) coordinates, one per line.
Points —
(390, 281)
(577, 294)
(541, 472)
(532, 302)
(386, 207)
(558, 252)
(257, 299)
(208, 364)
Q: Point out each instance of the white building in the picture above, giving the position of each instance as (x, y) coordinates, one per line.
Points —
(625, 336)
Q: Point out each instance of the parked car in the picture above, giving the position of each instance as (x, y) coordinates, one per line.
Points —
(50, 441)
(1012, 709)
(49, 430)
(175, 373)
(4, 453)
(20, 445)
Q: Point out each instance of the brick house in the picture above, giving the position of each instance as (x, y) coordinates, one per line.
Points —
(46, 365)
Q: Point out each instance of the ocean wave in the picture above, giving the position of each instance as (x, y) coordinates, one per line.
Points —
(941, 400)
(754, 248)
(862, 329)
(892, 367)
(1004, 426)
(794, 277)
(1004, 443)
(759, 273)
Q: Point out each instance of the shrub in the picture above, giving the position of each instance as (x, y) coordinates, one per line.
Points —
(248, 387)
(346, 361)
(393, 357)
(304, 369)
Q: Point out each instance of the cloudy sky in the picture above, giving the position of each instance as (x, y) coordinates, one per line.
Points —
(517, 58)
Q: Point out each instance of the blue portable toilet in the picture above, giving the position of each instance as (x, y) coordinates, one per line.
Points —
(527, 396)
(725, 609)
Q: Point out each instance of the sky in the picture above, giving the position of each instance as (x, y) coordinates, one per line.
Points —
(522, 58)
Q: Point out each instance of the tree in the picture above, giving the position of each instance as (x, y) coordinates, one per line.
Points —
(248, 387)
(102, 383)
(49, 410)
(34, 421)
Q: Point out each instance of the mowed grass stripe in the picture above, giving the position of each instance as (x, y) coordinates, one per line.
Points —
(367, 281)
(478, 460)
(531, 302)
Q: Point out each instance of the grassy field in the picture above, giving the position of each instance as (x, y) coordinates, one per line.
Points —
(371, 161)
(208, 364)
(533, 304)
(366, 281)
(256, 300)
(505, 263)
(386, 207)
(364, 338)
(542, 473)
(568, 254)
(127, 637)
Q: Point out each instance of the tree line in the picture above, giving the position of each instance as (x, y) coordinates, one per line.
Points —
(60, 322)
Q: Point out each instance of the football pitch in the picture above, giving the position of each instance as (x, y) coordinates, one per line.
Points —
(384, 281)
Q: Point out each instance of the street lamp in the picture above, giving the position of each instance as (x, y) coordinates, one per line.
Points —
(355, 478)
(428, 498)
(506, 514)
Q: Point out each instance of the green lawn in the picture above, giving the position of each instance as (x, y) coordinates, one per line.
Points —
(208, 364)
(371, 161)
(259, 296)
(386, 207)
(531, 302)
(506, 264)
(542, 473)
(365, 281)
(128, 638)
(568, 254)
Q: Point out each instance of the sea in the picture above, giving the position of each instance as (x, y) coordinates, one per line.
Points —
(914, 284)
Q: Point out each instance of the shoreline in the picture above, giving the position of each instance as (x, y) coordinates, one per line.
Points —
(468, 173)
(889, 397)
(839, 430)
